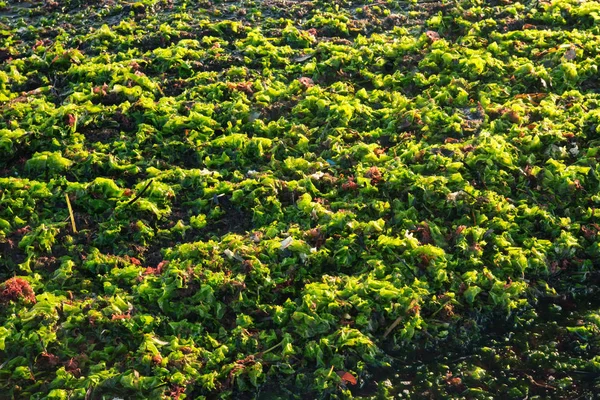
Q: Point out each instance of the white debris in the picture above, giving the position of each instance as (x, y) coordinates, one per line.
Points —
(229, 253)
(285, 243)
(454, 196)
(574, 150)
(314, 214)
(317, 175)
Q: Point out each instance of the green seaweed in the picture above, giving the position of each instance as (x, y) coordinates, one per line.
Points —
(299, 199)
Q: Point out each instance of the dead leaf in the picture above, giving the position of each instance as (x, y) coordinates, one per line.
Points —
(135, 261)
(70, 120)
(374, 174)
(433, 36)
(306, 82)
(347, 377)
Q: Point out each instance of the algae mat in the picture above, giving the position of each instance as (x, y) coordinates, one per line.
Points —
(284, 199)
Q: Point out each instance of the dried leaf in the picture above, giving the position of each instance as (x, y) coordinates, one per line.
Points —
(306, 82)
(347, 377)
(433, 36)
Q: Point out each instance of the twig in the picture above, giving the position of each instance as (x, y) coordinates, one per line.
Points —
(71, 213)
(137, 196)
(261, 353)
(407, 267)
(89, 392)
(330, 371)
(542, 385)
(440, 309)
(463, 358)
(392, 326)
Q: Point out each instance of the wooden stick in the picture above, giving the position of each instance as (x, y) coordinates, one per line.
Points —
(330, 371)
(392, 326)
(71, 213)
(542, 385)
